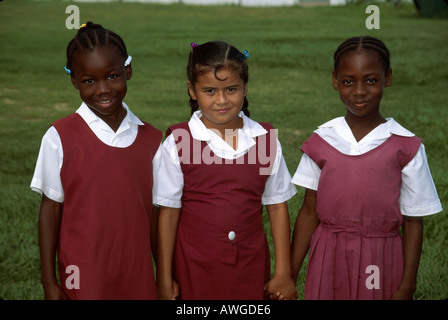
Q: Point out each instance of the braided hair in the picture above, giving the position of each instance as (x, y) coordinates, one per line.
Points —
(363, 43)
(91, 36)
(212, 56)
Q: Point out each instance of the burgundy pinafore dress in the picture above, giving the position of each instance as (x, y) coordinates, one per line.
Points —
(105, 227)
(221, 250)
(356, 251)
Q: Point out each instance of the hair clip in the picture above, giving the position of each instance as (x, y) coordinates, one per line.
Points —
(128, 61)
(67, 70)
(82, 26)
(246, 54)
(194, 45)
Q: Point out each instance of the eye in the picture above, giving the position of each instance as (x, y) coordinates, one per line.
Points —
(112, 76)
(371, 81)
(232, 89)
(347, 82)
(209, 91)
(89, 81)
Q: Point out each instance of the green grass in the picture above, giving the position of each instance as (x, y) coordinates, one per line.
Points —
(290, 69)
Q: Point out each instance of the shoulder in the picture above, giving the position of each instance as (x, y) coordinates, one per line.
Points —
(397, 129)
(65, 120)
(254, 128)
(171, 129)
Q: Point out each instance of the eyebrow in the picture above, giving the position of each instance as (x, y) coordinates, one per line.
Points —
(107, 71)
(365, 75)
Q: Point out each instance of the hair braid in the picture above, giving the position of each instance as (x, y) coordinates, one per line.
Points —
(363, 43)
(91, 36)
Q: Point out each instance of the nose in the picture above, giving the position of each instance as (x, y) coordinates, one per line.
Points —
(221, 97)
(102, 88)
(360, 88)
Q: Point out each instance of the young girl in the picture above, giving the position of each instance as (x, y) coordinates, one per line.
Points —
(365, 177)
(95, 174)
(216, 172)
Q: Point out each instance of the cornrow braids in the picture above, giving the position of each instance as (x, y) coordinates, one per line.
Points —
(91, 36)
(212, 56)
(363, 43)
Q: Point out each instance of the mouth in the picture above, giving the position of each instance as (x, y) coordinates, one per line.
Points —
(222, 110)
(105, 103)
(360, 104)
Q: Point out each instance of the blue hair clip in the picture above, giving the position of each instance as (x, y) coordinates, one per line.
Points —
(246, 54)
(67, 70)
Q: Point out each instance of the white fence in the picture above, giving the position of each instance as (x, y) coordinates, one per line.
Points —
(249, 3)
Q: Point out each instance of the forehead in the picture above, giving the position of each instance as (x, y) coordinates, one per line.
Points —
(361, 60)
(100, 57)
(218, 77)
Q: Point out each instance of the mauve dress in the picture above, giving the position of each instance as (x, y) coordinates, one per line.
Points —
(356, 250)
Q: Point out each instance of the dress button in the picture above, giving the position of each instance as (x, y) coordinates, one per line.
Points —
(232, 235)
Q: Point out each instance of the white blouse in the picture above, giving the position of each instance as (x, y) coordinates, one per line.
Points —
(47, 178)
(169, 180)
(418, 193)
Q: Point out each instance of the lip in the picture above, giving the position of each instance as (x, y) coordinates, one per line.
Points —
(223, 110)
(105, 103)
(360, 104)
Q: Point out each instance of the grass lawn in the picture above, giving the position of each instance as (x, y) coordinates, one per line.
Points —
(291, 52)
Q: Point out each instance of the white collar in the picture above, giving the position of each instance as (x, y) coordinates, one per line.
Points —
(199, 131)
(89, 116)
(382, 131)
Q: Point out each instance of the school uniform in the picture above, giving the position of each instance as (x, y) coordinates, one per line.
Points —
(221, 250)
(104, 180)
(363, 189)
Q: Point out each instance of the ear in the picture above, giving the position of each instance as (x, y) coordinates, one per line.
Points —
(334, 80)
(128, 69)
(388, 81)
(191, 90)
(74, 82)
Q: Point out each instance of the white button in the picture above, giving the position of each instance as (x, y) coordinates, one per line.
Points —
(232, 235)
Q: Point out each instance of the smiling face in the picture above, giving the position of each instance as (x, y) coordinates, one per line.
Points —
(100, 76)
(360, 80)
(220, 96)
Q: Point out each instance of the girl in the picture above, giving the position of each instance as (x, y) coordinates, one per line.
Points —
(365, 177)
(95, 173)
(217, 171)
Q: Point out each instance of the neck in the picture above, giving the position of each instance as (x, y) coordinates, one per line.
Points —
(228, 133)
(112, 120)
(361, 126)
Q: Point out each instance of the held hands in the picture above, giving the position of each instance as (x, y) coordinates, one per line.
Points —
(280, 288)
(54, 292)
(168, 291)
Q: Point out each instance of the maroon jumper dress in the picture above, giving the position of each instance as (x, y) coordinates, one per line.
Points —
(105, 226)
(356, 251)
(221, 250)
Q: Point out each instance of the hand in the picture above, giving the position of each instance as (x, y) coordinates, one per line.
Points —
(176, 291)
(281, 288)
(169, 290)
(55, 292)
(403, 294)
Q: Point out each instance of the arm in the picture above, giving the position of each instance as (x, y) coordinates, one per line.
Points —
(49, 223)
(154, 222)
(304, 227)
(281, 282)
(166, 239)
(412, 248)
